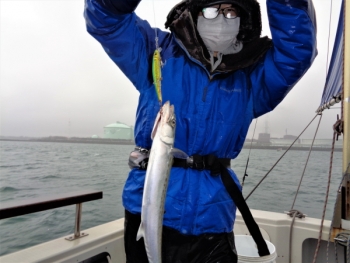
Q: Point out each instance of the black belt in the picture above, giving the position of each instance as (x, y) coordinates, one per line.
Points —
(218, 166)
(203, 162)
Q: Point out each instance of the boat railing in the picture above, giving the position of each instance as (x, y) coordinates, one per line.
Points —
(18, 208)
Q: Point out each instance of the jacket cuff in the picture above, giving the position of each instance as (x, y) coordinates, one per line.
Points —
(119, 7)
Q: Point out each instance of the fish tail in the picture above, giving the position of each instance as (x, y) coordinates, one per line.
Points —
(140, 232)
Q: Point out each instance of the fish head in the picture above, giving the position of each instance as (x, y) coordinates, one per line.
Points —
(167, 123)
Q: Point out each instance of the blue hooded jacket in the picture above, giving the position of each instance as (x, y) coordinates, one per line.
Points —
(213, 109)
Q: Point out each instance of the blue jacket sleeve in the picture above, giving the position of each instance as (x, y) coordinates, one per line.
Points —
(293, 29)
(128, 40)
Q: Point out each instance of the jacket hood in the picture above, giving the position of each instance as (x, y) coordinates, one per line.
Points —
(182, 21)
(250, 16)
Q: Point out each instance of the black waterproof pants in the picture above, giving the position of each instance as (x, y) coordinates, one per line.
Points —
(179, 248)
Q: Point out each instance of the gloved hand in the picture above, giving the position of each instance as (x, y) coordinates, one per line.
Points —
(119, 7)
(138, 158)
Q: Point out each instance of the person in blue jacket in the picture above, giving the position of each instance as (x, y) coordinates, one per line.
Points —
(219, 74)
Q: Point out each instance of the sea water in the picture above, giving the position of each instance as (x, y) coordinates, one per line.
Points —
(38, 169)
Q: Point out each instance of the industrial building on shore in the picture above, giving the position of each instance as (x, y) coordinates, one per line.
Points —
(118, 131)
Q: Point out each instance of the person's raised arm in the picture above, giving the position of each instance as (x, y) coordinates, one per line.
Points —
(128, 40)
(293, 30)
(119, 7)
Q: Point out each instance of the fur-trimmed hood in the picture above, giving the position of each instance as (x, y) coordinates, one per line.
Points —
(182, 21)
(250, 16)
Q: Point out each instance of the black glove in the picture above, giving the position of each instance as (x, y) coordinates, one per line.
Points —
(119, 7)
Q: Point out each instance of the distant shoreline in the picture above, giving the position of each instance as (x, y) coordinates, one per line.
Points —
(73, 140)
(131, 142)
(293, 148)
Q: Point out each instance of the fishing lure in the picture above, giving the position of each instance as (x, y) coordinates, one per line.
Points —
(157, 74)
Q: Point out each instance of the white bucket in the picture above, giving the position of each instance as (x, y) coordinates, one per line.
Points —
(248, 252)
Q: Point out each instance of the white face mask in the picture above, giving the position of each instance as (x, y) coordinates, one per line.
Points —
(220, 34)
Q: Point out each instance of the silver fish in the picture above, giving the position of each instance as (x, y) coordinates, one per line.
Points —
(156, 182)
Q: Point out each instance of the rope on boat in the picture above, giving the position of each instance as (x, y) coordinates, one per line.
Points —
(335, 136)
(332, 222)
(293, 213)
(307, 161)
(337, 127)
(250, 148)
(262, 179)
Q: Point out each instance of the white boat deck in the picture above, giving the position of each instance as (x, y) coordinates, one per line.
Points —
(109, 238)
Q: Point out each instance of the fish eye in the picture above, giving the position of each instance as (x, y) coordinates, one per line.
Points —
(172, 121)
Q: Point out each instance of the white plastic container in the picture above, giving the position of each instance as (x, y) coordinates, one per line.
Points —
(248, 252)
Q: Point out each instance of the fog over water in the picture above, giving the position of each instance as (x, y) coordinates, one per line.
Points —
(55, 79)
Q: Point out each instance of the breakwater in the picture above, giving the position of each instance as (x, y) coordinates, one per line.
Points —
(247, 145)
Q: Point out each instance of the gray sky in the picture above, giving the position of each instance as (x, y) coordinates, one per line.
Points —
(55, 79)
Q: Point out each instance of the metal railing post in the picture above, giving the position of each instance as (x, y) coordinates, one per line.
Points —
(77, 233)
(77, 220)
